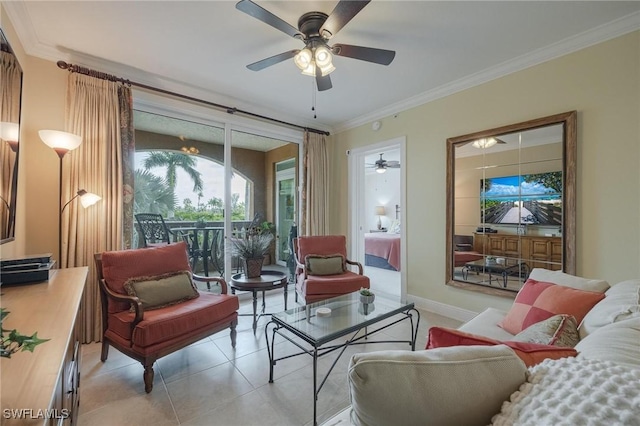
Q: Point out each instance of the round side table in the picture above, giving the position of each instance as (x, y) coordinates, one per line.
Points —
(268, 280)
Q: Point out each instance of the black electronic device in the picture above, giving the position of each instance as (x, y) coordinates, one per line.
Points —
(486, 230)
(26, 269)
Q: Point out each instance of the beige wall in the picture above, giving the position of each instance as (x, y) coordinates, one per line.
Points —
(601, 82)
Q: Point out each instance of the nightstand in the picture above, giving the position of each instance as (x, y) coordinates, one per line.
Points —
(378, 230)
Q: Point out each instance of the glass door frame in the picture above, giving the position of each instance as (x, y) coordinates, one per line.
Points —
(283, 175)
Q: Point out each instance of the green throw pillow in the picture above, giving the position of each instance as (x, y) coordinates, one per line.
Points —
(162, 290)
(333, 264)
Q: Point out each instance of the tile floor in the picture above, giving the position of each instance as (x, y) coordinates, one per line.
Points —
(210, 383)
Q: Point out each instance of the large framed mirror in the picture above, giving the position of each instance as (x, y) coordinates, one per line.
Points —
(11, 93)
(511, 203)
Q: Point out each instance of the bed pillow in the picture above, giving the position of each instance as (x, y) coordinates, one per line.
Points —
(538, 300)
(333, 264)
(162, 290)
(559, 330)
(530, 353)
(394, 228)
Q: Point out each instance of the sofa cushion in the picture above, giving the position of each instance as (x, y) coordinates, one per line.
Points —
(622, 302)
(316, 264)
(618, 342)
(567, 280)
(538, 300)
(486, 324)
(164, 324)
(529, 353)
(453, 386)
(559, 330)
(119, 266)
(162, 290)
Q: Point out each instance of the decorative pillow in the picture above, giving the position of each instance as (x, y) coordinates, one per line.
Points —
(333, 264)
(538, 300)
(529, 353)
(559, 330)
(162, 290)
(568, 280)
(394, 228)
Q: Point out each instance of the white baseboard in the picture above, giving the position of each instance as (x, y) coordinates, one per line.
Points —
(442, 308)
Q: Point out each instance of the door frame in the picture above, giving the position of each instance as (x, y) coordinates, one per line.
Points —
(356, 173)
(286, 174)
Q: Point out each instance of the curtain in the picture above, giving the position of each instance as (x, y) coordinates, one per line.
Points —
(100, 112)
(315, 186)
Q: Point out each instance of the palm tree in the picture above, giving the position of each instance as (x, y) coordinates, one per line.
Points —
(172, 161)
(152, 194)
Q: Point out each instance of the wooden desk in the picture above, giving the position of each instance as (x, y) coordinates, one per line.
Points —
(48, 377)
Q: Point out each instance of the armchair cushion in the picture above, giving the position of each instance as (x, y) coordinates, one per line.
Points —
(119, 266)
(163, 290)
(176, 321)
(324, 265)
(344, 283)
(324, 245)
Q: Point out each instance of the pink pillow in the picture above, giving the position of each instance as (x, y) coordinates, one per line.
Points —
(538, 300)
(529, 353)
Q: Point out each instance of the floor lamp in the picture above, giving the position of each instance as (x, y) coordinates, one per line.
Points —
(61, 143)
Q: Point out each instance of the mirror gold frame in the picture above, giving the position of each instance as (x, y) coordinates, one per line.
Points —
(568, 148)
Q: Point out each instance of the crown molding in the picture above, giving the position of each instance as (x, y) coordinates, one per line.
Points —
(599, 34)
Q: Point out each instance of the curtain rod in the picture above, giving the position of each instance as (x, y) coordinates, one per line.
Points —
(230, 110)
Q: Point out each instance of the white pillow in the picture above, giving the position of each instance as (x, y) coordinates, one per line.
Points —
(618, 342)
(622, 302)
(394, 228)
(567, 280)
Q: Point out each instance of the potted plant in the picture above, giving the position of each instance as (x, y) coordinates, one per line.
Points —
(15, 341)
(366, 296)
(251, 251)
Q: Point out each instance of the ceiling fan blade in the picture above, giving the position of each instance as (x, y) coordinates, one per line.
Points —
(250, 8)
(344, 11)
(324, 83)
(369, 54)
(260, 65)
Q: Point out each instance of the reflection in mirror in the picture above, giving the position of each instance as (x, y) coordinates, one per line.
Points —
(511, 204)
(11, 89)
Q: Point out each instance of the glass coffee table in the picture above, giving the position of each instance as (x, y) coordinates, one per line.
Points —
(347, 316)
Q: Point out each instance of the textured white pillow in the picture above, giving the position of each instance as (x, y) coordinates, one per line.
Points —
(567, 280)
(463, 385)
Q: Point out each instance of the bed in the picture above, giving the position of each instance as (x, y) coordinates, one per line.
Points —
(382, 249)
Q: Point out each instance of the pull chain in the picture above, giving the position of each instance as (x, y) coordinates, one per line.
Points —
(313, 98)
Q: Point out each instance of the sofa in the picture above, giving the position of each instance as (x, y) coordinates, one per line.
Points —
(597, 382)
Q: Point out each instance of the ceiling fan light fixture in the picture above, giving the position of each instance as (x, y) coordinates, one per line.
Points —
(484, 143)
(310, 70)
(303, 59)
(322, 56)
(381, 169)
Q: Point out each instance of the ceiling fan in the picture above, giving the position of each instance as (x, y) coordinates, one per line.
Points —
(382, 165)
(314, 30)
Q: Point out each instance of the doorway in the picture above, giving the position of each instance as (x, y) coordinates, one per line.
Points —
(285, 189)
(377, 177)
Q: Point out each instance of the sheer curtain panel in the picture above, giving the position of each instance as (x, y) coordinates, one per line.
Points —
(315, 186)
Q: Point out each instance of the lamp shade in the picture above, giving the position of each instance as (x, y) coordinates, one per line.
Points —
(9, 132)
(88, 199)
(60, 140)
(380, 210)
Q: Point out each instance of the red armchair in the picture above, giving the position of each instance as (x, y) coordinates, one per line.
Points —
(318, 272)
(144, 331)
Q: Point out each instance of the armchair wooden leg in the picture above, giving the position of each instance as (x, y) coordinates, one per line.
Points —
(148, 378)
(233, 333)
(105, 350)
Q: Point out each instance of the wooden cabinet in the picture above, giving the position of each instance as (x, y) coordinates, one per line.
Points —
(41, 388)
(536, 251)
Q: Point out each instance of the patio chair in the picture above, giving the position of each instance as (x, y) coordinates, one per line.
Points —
(153, 229)
(321, 268)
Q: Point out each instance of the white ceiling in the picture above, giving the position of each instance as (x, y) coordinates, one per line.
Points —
(202, 48)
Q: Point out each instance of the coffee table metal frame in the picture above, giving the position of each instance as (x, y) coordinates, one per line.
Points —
(317, 349)
(519, 268)
(268, 280)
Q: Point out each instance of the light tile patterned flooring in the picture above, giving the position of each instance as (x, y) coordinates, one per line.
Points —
(210, 383)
